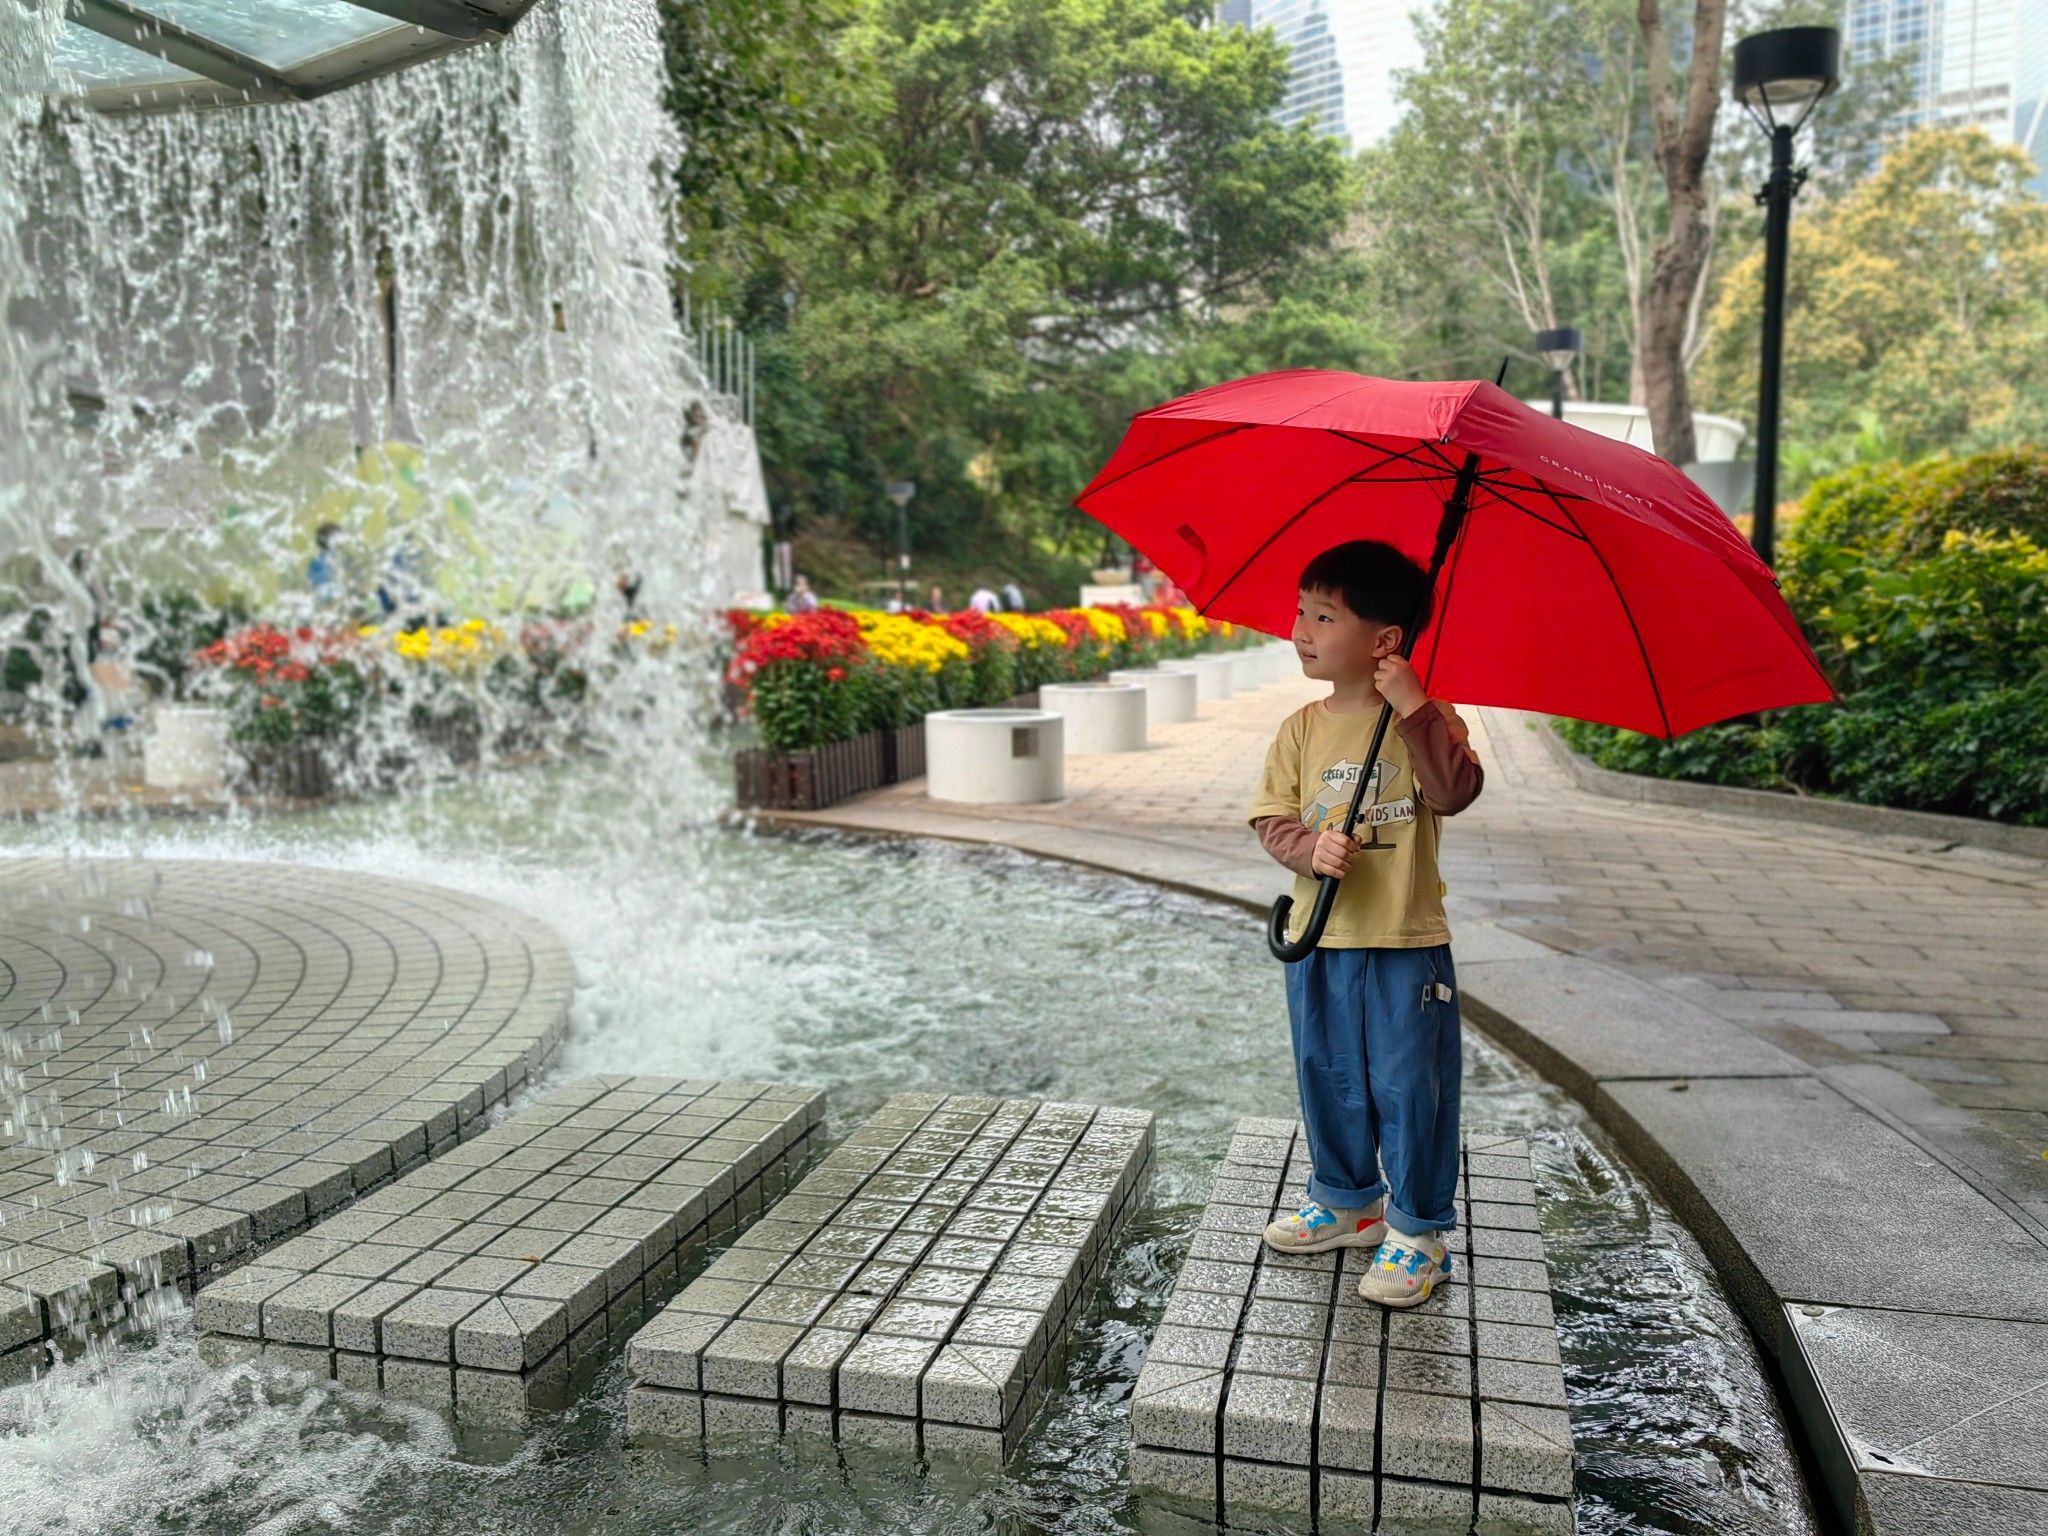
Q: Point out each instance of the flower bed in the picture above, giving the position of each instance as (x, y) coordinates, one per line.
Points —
(840, 675)
(318, 711)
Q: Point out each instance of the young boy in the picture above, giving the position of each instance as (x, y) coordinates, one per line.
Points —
(1374, 1006)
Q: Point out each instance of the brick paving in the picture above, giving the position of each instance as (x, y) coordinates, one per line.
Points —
(1272, 1384)
(916, 1291)
(486, 1276)
(1842, 948)
(197, 1059)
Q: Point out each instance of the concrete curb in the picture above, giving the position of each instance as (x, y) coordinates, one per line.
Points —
(1806, 810)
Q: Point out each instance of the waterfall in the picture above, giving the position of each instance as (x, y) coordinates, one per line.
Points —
(433, 310)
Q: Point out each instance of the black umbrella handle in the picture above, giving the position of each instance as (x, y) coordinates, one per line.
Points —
(1447, 528)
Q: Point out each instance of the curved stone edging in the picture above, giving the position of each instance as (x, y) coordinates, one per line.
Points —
(200, 1058)
(1808, 810)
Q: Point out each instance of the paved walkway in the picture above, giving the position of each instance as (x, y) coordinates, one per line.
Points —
(198, 1058)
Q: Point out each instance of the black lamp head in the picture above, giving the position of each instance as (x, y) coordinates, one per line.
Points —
(1558, 347)
(1782, 75)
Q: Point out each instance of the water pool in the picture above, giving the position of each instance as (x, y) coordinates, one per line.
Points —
(870, 969)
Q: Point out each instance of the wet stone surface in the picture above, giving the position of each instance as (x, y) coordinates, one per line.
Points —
(1271, 1385)
(919, 1287)
(199, 1059)
(485, 1277)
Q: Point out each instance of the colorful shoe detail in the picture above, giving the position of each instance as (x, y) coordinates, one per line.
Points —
(1406, 1269)
(1316, 1228)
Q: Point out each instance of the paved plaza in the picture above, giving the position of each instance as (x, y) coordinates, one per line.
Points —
(1271, 1383)
(1828, 1048)
(201, 1058)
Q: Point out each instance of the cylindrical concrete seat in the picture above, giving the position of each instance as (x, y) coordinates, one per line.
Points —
(187, 748)
(1101, 717)
(1282, 661)
(995, 756)
(1248, 669)
(1216, 675)
(1170, 697)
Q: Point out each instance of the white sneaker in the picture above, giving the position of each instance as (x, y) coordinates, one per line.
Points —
(1406, 1269)
(1315, 1228)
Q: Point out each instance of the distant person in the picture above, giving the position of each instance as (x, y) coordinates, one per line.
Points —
(801, 598)
(629, 590)
(323, 571)
(938, 599)
(1013, 597)
(985, 601)
(402, 595)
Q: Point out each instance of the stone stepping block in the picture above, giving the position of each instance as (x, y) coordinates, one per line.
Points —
(1272, 1386)
(918, 1289)
(486, 1276)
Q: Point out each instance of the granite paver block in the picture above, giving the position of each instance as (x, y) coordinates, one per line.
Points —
(919, 1285)
(462, 1264)
(1328, 1401)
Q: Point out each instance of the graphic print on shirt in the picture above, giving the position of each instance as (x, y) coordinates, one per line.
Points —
(1326, 811)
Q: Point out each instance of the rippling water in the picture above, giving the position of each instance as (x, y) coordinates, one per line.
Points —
(871, 970)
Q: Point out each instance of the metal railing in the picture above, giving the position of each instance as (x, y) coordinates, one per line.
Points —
(724, 356)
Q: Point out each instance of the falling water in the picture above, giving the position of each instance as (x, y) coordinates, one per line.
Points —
(433, 310)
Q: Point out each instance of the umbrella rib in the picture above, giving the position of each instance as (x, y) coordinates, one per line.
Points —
(1642, 650)
(1240, 426)
(1508, 501)
(1308, 507)
(1444, 614)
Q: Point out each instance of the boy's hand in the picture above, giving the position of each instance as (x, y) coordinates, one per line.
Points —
(1332, 854)
(1399, 686)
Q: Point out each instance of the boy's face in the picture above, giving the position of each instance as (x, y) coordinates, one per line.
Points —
(1336, 645)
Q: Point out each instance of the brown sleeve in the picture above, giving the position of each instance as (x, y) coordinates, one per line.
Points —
(1449, 780)
(1289, 841)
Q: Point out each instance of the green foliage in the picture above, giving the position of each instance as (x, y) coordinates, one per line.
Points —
(1030, 218)
(1925, 590)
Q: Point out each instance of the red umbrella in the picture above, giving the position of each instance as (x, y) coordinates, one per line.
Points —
(1573, 574)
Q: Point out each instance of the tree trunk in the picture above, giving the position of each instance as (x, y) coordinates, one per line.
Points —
(1682, 116)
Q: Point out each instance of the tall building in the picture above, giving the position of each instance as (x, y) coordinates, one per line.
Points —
(1976, 63)
(1345, 53)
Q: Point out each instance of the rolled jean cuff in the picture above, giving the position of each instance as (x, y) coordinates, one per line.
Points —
(1412, 1226)
(1331, 1198)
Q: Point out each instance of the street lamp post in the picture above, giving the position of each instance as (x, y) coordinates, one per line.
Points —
(900, 492)
(1557, 349)
(1780, 77)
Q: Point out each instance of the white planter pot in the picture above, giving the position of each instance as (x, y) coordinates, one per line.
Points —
(1248, 669)
(1170, 697)
(1101, 717)
(187, 748)
(1215, 675)
(995, 756)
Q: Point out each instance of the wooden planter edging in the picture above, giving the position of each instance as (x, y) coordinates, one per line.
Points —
(809, 780)
(902, 753)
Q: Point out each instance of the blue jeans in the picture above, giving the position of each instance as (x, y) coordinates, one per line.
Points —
(1380, 1072)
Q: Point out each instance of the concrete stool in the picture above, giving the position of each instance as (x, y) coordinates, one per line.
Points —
(1101, 717)
(188, 748)
(1248, 670)
(1216, 675)
(1169, 696)
(995, 756)
(1283, 662)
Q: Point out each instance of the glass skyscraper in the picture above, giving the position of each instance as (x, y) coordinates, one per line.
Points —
(1977, 63)
(1345, 53)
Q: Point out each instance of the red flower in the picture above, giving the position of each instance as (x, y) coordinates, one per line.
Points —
(835, 674)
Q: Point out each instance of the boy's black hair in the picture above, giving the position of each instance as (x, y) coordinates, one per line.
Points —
(1375, 580)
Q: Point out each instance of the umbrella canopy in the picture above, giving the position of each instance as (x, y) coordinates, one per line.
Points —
(1588, 578)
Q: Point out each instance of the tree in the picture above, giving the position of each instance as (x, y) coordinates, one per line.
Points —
(1031, 208)
(1916, 309)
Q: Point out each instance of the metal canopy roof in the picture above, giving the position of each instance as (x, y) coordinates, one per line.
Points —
(151, 55)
